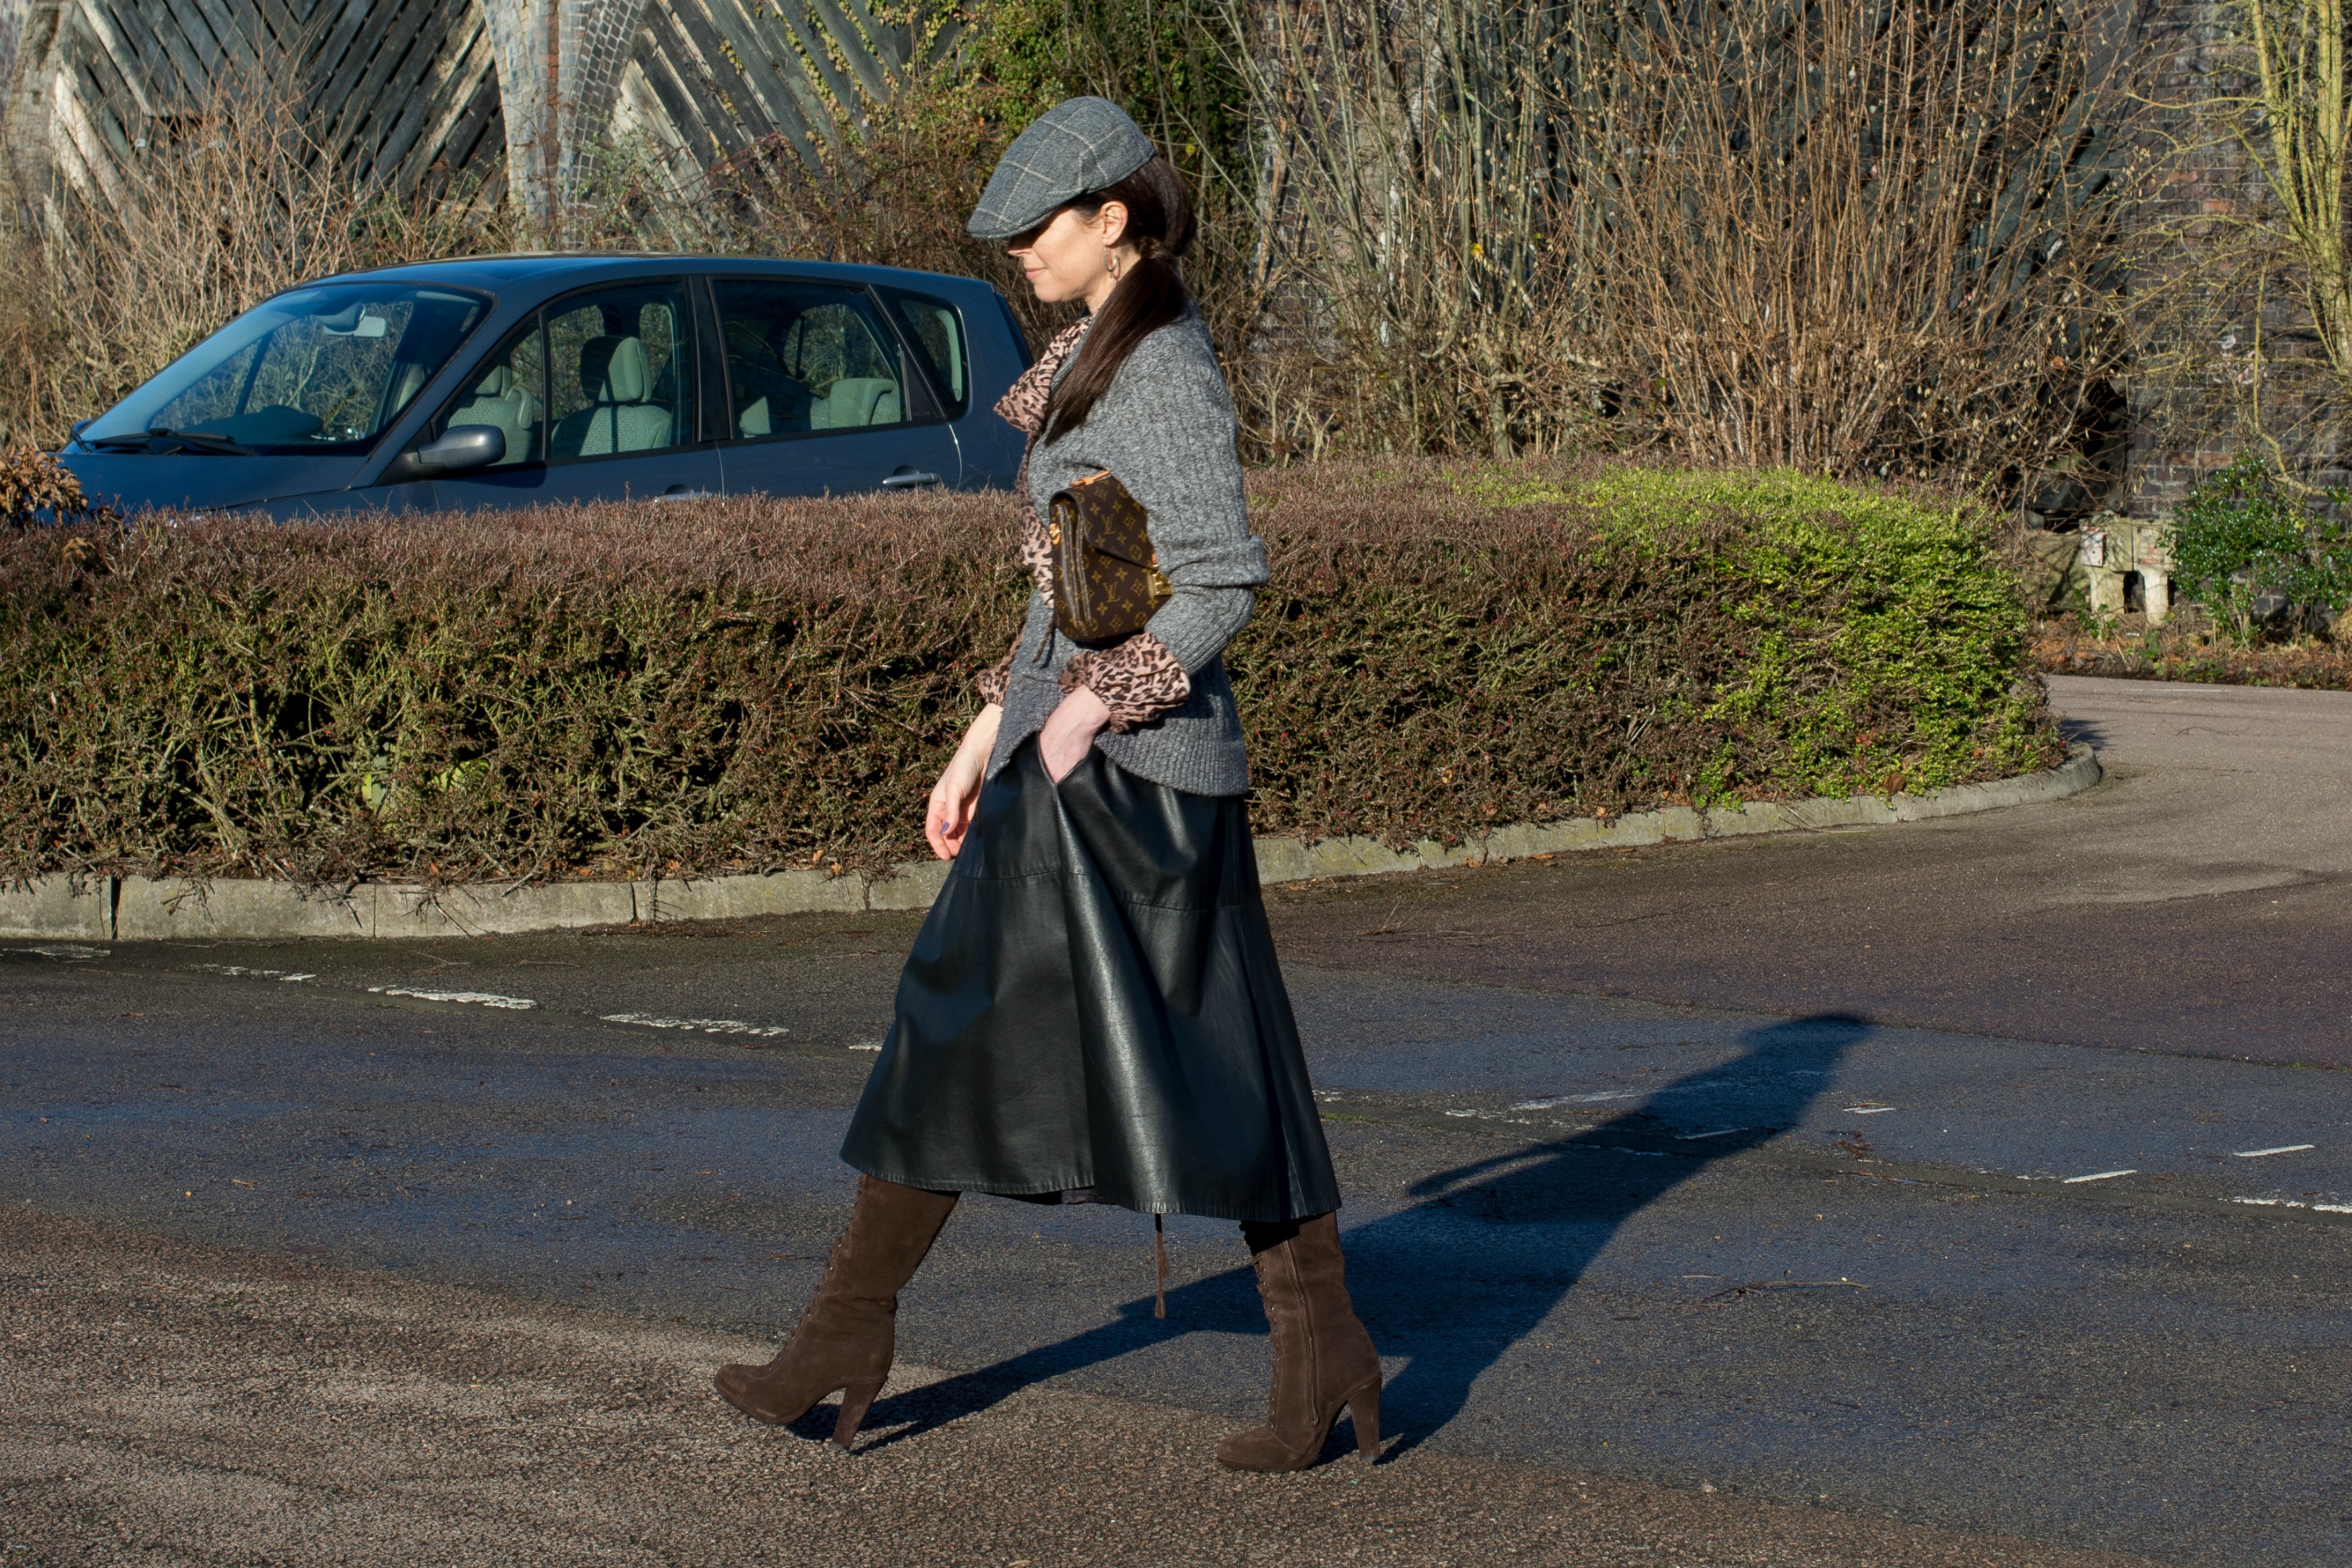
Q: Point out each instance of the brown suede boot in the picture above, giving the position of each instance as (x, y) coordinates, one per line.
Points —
(845, 1337)
(1323, 1359)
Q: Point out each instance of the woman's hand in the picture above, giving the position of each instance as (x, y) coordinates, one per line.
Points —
(949, 816)
(1070, 733)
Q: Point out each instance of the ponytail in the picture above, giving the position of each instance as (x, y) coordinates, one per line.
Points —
(1152, 294)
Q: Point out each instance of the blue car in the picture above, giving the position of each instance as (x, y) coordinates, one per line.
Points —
(520, 380)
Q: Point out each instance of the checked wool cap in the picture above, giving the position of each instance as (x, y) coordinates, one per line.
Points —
(1079, 145)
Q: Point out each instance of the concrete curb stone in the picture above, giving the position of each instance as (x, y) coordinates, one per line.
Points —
(132, 909)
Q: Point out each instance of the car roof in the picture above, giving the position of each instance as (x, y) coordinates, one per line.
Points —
(498, 274)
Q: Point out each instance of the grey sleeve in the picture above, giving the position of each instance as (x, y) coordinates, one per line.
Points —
(1166, 428)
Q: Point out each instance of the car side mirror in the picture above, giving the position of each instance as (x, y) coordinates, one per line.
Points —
(464, 447)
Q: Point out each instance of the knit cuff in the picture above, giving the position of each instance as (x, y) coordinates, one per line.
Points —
(1139, 681)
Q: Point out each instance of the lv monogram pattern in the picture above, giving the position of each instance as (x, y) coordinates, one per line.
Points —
(1105, 583)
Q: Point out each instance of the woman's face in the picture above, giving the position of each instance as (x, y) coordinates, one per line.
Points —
(1069, 258)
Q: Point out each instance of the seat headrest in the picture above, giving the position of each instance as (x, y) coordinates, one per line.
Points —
(615, 369)
(494, 385)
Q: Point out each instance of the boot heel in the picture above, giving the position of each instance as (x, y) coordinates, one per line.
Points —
(1364, 1409)
(854, 1402)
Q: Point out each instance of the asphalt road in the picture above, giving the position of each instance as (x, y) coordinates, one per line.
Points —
(174, 1403)
(2192, 903)
(1953, 1175)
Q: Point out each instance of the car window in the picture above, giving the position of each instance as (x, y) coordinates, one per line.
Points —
(806, 357)
(936, 330)
(617, 372)
(316, 370)
(507, 390)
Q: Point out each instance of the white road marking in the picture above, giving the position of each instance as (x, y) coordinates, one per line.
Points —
(1574, 1100)
(1718, 1132)
(1865, 1110)
(868, 1045)
(704, 1025)
(2294, 1203)
(239, 969)
(478, 998)
(2099, 1176)
(2282, 1148)
(64, 950)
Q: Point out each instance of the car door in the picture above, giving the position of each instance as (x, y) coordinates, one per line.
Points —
(595, 397)
(823, 397)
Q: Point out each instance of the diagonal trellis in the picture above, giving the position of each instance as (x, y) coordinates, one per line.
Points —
(398, 93)
(711, 78)
(394, 92)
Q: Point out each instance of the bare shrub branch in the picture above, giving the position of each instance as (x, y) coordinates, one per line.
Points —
(1857, 239)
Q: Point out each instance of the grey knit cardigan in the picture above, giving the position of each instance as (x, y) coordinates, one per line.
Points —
(1165, 428)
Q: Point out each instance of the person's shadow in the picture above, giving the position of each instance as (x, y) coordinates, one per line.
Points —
(1449, 1284)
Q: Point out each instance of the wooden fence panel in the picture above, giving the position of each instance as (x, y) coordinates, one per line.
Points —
(709, 77)
(403, 92)
(397, 92)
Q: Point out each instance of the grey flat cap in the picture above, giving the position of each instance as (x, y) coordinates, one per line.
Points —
(1078, 145)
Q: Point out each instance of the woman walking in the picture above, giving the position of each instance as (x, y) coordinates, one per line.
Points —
(1093, 1011)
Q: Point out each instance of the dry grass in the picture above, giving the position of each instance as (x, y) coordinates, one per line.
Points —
(2184, 648)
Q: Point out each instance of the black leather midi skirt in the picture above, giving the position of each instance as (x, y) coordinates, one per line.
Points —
(1094, 1008)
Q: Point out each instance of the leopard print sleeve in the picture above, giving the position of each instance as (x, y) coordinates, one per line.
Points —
(992, 681)
(1139, 681)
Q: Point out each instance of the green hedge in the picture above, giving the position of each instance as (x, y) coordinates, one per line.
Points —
(704, 686)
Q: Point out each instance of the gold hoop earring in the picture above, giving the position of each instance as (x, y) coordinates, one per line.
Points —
(1110, 262)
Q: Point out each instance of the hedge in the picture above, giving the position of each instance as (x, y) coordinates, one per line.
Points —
(693, 688)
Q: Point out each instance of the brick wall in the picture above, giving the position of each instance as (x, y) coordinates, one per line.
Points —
(2192, 399)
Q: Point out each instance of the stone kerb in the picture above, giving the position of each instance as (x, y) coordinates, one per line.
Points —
(132, 909)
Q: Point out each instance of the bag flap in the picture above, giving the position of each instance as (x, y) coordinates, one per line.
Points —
(1115, 523)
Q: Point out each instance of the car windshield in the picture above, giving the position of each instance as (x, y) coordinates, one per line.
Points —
(320, 370)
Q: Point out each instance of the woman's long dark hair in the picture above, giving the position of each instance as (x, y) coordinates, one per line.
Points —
(1152, 294)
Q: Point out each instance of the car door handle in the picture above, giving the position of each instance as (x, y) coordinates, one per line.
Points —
(908, 481)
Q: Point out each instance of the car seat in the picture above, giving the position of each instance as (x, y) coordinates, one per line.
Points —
(780, 407)
(854, 401)
(618, 376)
(498, 399)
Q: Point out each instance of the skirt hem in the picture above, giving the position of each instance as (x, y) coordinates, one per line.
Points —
(931, 1183)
